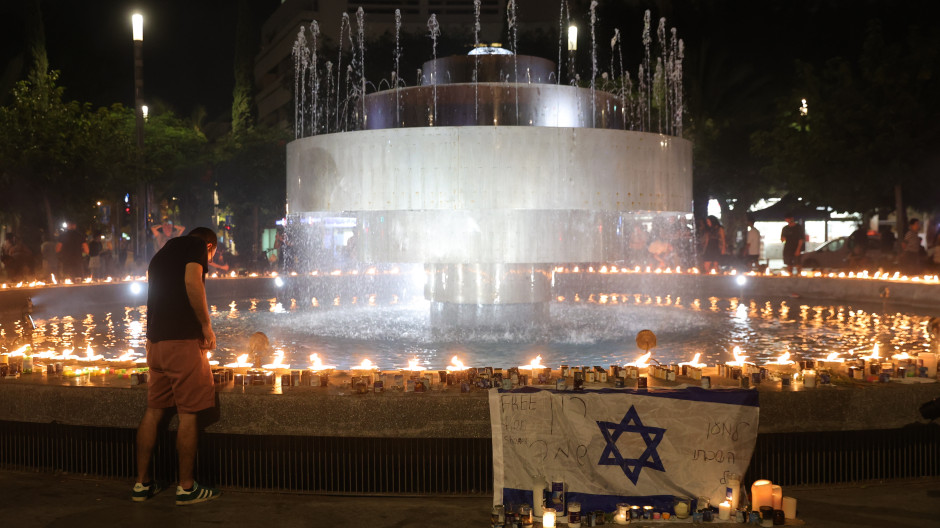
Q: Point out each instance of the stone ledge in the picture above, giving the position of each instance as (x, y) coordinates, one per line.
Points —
(318, 412)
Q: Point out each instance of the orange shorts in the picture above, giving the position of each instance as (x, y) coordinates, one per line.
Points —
(179, 376)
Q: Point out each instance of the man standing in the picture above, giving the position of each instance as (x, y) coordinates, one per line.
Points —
(792, 237)
(910, 249)
(70, 249)
(752, 245)
(179, 332)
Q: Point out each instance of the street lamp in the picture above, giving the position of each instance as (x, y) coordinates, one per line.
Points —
(572, 49)
(137, 23)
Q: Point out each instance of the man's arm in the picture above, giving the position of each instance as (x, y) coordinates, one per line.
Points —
(179, 229)
(196, 292)
(155, 229)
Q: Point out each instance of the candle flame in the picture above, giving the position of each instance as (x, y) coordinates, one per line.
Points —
(317, 364)
(902, 356)
(834, 356)
(278, 361)
(455, 364)
(413, 365)
(365, 365)
(739, 358)
(534, 364)
(784, 359)
(240, 361)
(641, 362)
(694, 362)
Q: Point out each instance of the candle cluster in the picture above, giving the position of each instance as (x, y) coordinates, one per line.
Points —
(73, 368)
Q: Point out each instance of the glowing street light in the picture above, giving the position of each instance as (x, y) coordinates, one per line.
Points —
(572, 51)
(137, 25)
(572, 38)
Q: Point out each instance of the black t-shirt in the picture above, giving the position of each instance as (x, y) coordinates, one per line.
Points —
(169, 314)
(791, 234)
(71, 242)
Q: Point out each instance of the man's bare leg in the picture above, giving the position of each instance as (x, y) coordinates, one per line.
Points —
(187, 439)
(146, 439)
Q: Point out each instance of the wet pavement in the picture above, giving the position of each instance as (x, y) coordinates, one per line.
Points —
(33, 499)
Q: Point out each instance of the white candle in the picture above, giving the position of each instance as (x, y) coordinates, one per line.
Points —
(724, 511)
(538, 498)
(929, 360)
(734, 483)
(809, 378)
(548, 518)
(761, 494)
(789, 507)
(776, 493)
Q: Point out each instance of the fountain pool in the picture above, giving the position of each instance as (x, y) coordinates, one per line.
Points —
(596, 325)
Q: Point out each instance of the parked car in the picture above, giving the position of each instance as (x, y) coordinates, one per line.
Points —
(837, 254)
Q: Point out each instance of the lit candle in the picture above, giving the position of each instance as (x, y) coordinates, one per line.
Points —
(623, 514)
(776, 493)
(809, 378)
(761, 494)
(789, 507)
(724, 511)
(548, 518)
(241, 364)
(929, 360)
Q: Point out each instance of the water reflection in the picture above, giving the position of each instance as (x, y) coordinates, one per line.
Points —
(597, 330)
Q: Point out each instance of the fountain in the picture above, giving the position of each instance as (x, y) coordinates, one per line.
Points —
(486, 176)
(513, 199)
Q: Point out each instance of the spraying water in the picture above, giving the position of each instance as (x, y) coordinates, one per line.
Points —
(663, 86)
(397, 63)
(344, 25)
(476, 61)
(653, 103)
(645, 80)
(314, 76)
(593, 62)
(329, 92)
(563, 21)
(513, 34)
(300, 71)
(361, 33)
(435, 31)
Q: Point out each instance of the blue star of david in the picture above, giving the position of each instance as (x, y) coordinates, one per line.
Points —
(631, 466)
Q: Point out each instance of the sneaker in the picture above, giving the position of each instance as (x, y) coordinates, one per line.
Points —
(142, 492)
(197, 494)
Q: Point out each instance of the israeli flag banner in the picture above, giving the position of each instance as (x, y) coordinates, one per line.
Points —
(620, 445)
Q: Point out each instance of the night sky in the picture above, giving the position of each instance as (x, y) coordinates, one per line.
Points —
(188, 49)
(189, 44)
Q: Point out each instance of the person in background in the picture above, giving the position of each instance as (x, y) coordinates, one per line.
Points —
(95, 248)
(713, 244)
(50, 261)
(219, 263)
(933, 254)
(859, 244)
(16, 257)
(752, 245)
(164, 232)
(793, 237)
(70, 249)
(910, 261)
(179, 333)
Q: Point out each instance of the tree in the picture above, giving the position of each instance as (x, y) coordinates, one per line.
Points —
(870, 130)
(45, 159)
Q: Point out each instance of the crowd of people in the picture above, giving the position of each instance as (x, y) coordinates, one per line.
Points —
(663, 242)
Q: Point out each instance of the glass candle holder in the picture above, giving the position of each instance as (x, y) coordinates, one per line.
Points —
(682, 507)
